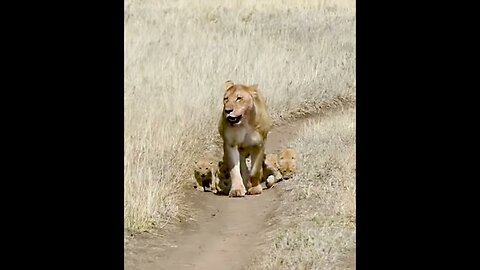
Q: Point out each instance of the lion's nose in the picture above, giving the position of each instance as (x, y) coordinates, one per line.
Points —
(227, 111)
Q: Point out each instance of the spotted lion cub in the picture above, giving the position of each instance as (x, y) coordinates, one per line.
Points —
(204, 172)
(271, 168)
(287, 163)
(222, 181)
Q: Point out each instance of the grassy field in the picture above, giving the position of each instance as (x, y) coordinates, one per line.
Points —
(177, 56)
(315, 222)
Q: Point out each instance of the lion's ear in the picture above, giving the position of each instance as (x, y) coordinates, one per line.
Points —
(227, 85)
(253, 88)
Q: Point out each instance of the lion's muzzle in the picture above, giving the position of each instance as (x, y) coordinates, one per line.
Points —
(234, 119)
(231, 117)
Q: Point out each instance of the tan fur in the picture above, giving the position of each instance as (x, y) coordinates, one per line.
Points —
(287, 162)
(245, 138)
(204, 172)
(271, 168)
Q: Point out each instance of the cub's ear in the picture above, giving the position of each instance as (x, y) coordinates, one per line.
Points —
(227, 85)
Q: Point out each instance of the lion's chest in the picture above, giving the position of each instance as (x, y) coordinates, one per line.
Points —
(243, 136)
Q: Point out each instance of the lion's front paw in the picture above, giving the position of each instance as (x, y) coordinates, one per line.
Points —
(237, 192)
(255, 190)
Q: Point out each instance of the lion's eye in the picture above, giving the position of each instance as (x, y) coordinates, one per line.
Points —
(239, 98)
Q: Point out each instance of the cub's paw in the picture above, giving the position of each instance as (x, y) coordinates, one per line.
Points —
(270, 181)
(199, 188)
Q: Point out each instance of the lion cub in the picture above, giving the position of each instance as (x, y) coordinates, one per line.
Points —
(221, 180)
(287, 163)
(204, 172)
(271, 168)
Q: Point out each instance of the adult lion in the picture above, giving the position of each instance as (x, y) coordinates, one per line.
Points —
(244, 126)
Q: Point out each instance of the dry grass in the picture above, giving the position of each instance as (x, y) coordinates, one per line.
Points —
(177, 56)
(315, 222)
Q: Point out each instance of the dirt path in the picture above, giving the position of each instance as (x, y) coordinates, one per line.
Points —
(224, 232)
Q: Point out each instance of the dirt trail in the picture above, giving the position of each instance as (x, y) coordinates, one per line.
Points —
(224, 232)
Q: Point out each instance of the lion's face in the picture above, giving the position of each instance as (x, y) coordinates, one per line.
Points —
(237, 103)
(287, 163)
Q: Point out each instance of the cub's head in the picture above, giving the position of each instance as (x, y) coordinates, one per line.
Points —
(203, 171)
(238, 101)
(271, 160)
(287, 163)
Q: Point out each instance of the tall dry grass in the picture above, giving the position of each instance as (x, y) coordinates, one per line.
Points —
(177, 56)
(314, 225)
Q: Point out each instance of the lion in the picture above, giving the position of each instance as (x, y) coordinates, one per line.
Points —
(287, 163)
(222, 182)
(244, 125)
(271, 168)
(204, 172)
